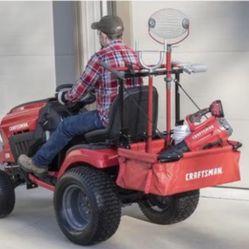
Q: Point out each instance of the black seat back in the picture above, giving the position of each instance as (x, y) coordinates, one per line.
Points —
(135, 116)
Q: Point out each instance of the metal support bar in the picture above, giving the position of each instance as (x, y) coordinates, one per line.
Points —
(168, 80)
(121, 97)
(177, 98)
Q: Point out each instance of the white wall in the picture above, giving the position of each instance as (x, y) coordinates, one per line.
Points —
(219, 37)
(43, 44)
(27, 68)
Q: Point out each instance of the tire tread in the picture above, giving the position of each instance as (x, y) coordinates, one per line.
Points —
(7, 195)
(107, 202)
(183, 206)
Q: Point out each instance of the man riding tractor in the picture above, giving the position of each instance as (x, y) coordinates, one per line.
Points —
(95, 78)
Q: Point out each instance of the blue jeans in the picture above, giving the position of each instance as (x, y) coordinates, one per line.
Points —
(66, 130)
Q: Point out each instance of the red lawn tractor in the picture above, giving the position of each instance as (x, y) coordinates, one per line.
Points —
(130, 161)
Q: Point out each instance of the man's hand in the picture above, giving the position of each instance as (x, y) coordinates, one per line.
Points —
(61, 96)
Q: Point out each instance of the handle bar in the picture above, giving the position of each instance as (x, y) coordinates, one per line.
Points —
(193, 68)
(121, 73)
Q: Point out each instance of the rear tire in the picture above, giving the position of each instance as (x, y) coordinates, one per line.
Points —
(7, 195)
(86, 206)
(169, 209)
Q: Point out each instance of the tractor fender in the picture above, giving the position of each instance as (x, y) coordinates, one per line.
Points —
(97, 158)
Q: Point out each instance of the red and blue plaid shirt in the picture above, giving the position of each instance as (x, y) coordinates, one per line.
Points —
(101, 80)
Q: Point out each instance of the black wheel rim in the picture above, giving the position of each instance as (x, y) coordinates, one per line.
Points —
(76, 208)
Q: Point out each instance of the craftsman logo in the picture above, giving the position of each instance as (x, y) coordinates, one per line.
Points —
(203, 173)
(18, 127)
(203, 132)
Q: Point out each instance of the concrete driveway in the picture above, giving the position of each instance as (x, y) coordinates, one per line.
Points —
(218, 223)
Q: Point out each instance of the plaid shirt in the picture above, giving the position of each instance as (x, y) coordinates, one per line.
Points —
(101, 80)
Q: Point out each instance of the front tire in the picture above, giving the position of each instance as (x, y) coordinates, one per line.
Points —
(169, 209)
(7, 195)
(86, 206)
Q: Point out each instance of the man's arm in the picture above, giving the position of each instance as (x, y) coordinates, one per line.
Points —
(87, 80)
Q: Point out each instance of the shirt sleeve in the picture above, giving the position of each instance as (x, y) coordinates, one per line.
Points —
(87, 80)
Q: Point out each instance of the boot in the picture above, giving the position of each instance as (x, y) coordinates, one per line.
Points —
(27, 165)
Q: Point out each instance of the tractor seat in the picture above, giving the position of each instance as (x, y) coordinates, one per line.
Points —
(135, 117)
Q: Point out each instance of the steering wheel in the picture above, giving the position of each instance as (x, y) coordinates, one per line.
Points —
(87, 99)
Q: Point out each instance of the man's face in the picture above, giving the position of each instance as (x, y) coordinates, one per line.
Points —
(103, 39)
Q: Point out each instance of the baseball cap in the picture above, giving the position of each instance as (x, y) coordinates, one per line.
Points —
(109, 25)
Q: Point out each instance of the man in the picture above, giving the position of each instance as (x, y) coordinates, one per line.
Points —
(113, 53)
